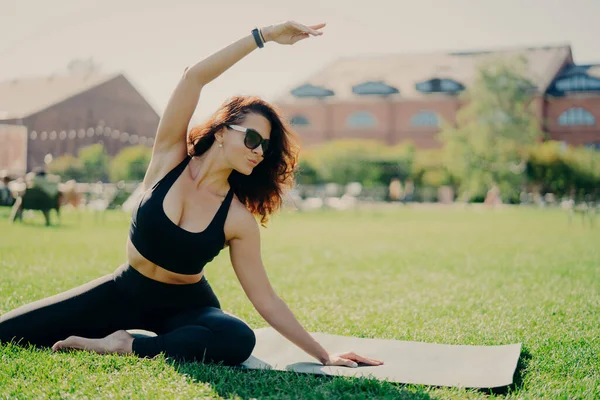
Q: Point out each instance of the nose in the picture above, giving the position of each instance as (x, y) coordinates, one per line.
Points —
(258, 151)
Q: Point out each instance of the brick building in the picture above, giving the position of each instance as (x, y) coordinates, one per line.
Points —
(395, 98)
(62, 113)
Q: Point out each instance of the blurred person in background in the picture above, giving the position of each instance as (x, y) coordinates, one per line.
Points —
(6, 197)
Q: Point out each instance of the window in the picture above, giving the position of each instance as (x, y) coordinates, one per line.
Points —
(576, 116)
(299, 120)
(425, 86)
(309, 90)
(361, 119)
(437, 85)
(578, 82)
(374, 88)
(449, 86)
(425, 118)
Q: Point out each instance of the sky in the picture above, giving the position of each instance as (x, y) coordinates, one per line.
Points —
(152, 41)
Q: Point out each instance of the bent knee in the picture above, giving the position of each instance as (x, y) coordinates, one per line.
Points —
(239, 342)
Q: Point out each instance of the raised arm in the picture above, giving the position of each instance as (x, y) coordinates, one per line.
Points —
(248, 266)
(170, 143)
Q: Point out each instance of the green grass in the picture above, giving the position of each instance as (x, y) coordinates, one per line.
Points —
(436, 275)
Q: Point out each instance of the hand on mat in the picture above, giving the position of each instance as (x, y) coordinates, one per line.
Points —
(290, 32)
(351, 359)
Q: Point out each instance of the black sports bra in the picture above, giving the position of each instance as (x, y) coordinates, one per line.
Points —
(167, 245)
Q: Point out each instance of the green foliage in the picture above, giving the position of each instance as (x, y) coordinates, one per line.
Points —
(306, 174)
(429, 169)
(369, 162)
(67, 167)
(564, 170)
(95, 162)
(488, 144)
(130, 164)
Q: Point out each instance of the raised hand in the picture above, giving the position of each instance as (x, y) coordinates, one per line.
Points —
(290, 32)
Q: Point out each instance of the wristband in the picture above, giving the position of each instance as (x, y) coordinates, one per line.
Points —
(257, 38)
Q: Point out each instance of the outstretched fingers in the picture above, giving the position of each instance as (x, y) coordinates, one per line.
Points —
(361, 359)
(318, 26)
(308, 29)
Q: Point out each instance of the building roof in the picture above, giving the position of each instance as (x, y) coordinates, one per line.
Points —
(576, 79)
(591, 70)
(404, 71)
(20, 98)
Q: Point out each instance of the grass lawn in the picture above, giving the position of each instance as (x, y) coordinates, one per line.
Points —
(432, 275)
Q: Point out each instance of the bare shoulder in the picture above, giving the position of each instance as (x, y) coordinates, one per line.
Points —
(160, 165)
(240, 223)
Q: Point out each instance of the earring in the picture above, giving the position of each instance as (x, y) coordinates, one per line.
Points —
(220, 144)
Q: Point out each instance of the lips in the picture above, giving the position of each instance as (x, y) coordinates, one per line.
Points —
(253, 162)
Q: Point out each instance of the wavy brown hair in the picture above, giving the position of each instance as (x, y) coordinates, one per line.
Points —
(262, 191)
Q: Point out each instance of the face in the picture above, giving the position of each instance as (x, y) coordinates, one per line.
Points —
(241, 158)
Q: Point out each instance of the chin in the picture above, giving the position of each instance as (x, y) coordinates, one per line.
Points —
(244, 171)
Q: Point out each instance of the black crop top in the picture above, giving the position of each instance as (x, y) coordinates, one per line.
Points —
(167, 245)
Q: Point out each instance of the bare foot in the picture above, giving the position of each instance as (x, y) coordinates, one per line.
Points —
(118, 342)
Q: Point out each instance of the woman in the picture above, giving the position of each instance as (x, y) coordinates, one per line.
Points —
(201, 194)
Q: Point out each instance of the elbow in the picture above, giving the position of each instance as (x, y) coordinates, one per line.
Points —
(193, 76)
(267, 306)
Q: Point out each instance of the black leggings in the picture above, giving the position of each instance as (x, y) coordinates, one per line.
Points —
(187, 319)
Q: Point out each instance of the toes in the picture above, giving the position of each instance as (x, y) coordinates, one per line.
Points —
(64, 344)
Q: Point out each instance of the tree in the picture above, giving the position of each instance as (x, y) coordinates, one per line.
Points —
(130, 164)
(494, 130)
(67, 167)
(95, 162)
(564, 170)
(429, 169)
(306, 174)
(370, 162)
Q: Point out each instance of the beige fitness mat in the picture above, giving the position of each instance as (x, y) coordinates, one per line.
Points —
(405, 362)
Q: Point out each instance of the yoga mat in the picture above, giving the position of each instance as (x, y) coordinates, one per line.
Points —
(405, 362)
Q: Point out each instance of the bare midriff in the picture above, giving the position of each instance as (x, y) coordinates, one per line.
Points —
(155, 272)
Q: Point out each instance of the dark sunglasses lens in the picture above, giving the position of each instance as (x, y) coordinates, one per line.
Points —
(265, 146)
(252, 139)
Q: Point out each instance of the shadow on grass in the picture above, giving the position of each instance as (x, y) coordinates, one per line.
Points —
(229, 382)
(518, 377)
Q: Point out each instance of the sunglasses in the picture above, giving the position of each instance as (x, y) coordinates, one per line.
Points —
(252, 139)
